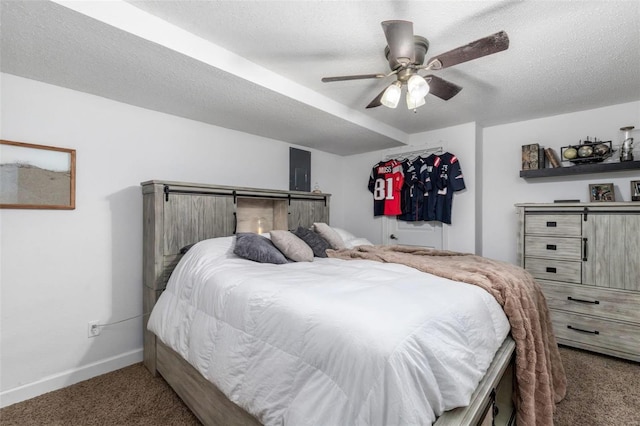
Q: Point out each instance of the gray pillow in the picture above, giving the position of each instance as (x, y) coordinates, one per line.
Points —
(318, 244)
(258, 248)
(291, 246)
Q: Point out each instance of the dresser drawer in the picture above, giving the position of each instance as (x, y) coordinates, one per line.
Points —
(555, 270)
(582, 299)
(553, 247)
(610, 336)
(569, 225)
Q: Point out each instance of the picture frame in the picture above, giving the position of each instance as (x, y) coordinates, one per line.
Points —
(37, 176)
(601, 192)
(635, 190)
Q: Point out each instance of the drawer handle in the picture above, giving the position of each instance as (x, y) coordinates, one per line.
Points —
(583, 331)
(551, 247)
(594, 302)
(551, 269)
(552, 224)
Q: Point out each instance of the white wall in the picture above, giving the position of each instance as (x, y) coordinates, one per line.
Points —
(61, 269)
(459, 140)
(502, 186)
(479, 181)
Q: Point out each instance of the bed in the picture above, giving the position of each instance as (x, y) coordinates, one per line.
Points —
(178, 214)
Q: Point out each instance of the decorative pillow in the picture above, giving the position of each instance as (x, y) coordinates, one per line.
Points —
(186, 248)
(345, 235)
(358, 242)
(333, 238)
(219, 246)
(318, 244)
(291, 246)
(257, 248)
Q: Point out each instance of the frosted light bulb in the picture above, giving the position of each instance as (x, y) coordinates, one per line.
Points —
(391, 96)
(418, 86)
(414, 102)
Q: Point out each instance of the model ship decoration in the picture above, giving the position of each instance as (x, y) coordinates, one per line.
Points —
(587, 151)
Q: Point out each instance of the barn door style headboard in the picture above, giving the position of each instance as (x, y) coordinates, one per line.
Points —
(177, 214)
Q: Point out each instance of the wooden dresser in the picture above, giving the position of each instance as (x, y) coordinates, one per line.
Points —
(586, 257)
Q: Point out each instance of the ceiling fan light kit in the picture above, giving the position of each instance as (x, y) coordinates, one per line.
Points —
(414, 102)
(417, 90)
(417, 86)
(391, 95)
(406, 52)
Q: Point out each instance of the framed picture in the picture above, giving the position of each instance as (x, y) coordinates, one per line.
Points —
(601, 192)
(635, 190)
(37, 176)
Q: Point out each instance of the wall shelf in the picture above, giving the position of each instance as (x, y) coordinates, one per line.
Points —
(581, 169)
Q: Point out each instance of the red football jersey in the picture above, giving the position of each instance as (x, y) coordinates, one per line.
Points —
(385, 183)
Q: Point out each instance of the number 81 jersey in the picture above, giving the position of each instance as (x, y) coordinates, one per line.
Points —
(385, 183)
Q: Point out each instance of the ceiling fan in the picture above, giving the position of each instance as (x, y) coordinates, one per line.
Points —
(406, 52)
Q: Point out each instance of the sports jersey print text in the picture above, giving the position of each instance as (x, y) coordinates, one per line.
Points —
(384, 188)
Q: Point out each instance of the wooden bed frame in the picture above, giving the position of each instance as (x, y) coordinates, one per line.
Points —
(177, 214)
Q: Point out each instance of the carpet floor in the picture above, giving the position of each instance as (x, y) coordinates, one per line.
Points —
(602, 391)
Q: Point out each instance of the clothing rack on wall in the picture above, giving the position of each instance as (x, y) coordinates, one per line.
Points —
(411, 154)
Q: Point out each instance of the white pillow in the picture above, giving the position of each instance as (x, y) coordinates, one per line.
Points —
(333, 238)
(345, 235)
(216, 247)
(358, 242)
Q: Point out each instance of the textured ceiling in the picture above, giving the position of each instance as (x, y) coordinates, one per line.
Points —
(255, 66)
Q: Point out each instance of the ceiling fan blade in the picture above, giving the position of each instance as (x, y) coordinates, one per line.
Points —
(442, 88)
(352, 77)
(485, 46)
(376, 101)
(399, 35)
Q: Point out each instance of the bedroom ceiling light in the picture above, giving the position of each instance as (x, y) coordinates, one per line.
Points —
(417, 86)
(414, 102)
(406, 54)
(417, 90)
(391, 96)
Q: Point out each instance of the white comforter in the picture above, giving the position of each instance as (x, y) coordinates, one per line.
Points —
(330, 342)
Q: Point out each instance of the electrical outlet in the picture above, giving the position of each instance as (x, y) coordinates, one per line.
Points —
(93, 329)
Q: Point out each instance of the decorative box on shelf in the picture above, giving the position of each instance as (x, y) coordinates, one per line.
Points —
(532, 157)
(587, 152)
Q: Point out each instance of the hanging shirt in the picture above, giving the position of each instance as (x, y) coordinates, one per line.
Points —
(448, 180)
(412, 195)
(385, 183)
(428, 176)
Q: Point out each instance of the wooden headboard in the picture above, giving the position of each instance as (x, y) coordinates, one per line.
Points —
(177, 214)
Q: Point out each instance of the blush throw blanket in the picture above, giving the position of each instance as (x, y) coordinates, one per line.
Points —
(541, 381)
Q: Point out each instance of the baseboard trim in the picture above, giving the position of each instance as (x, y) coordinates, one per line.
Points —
(69, 377)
